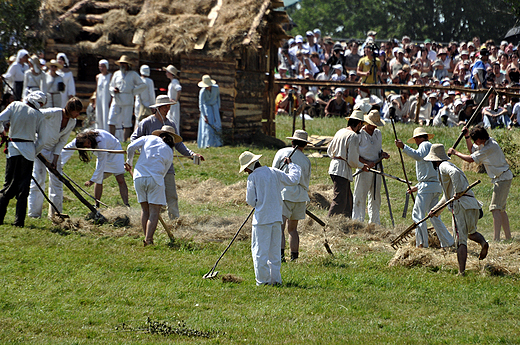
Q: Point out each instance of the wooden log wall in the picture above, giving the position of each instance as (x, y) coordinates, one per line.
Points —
(223, 71)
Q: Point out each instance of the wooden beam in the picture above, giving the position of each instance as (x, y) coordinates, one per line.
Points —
(212, 16)
(256, 22)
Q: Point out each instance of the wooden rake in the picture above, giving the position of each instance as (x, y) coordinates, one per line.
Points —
(401, 238)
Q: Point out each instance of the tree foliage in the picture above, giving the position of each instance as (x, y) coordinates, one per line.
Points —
(18, 22)
(440, 20)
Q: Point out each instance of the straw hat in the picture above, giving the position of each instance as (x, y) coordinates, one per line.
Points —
(374, 118)
(300, 135)
(437, 154)
(247, 158)
(356, 115)
(419, 131)
(206, 81)
(171, 69)
(171, 131)
(54, 62)
(124, 59)
(162, 100)
(93, 95)
(36, 63)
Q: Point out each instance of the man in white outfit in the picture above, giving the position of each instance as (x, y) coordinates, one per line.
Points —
(124, 86)
(52, 137)
(428, 189)
(103, 96)
(367, 183)
(154, 161)
(145, 99)
(465, 209)
(294, 198)
(174, 92)
(264, 186)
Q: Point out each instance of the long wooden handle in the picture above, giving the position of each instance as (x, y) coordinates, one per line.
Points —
(470, 121)
(388, 175)
(95, 150)
(402, 160)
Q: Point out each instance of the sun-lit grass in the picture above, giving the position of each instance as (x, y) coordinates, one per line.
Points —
(68, 287)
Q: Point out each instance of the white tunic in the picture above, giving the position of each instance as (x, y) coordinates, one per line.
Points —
(129, 85)
(299, 192)
(34, 82)
(175, 110)
(344, 152)
(425, 172)
(264, 185)
(492, 156)
(54, 97)
(25, 123)
(155, 159)
(454, 181)
(103, 99)
(50, 137)
(147, 97)
(106, 162)
(70, 87)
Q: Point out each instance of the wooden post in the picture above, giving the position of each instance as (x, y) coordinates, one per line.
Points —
(418, 107)
(271, 94)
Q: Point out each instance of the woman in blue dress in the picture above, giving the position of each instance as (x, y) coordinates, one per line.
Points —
(210, 127)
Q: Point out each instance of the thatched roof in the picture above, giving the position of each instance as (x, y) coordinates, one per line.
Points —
(163, 26)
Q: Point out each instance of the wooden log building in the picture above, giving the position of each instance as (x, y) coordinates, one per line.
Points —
(234, 41)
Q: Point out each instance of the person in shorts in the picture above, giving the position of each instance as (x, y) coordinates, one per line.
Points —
(294, 198)
(151, 167)
(485, 150)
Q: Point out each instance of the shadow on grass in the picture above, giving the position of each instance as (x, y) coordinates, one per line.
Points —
(330, 261)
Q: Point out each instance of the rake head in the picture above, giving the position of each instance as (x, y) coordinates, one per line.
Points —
(210, 275)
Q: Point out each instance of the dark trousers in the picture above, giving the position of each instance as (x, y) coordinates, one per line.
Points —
(342, 198)
(18, 172)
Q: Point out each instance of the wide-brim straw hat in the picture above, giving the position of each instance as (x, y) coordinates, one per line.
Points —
(124, 59)
(169, 130)
(300, 135)
(246, 159)
(54, 62)
(35, 61)
(419, 131)
(356, 115)
(162, 100)
(171, 69)
(206, 81)
(374, 118)
(437, 154)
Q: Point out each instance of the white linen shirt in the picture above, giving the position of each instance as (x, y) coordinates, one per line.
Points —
(264, 185)
(425, 172)
(147, 97)
(105, 140)
(129, 85)
(492, 156)
(370, 145)
(50, 137)
(299, 192)
(454, 181)
(344, 153)
(25, 123)
(155, 159)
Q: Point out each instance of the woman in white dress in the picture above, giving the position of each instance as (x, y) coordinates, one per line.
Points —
(103, 96)
(174, 92)
(68, 79)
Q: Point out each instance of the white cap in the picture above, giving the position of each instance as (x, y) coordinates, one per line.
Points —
(145, 70)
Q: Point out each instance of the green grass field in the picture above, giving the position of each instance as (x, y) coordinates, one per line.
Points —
(98, 285)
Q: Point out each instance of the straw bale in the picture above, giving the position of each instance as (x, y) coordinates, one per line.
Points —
(118, 27)
(68, 30)
(196, 191)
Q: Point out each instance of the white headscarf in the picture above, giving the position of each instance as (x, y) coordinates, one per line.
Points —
(35, 98)
(103, 62)
(62, 55)
(145, 70)
(21, 54)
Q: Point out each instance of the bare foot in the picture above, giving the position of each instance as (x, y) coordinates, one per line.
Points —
(484, 251)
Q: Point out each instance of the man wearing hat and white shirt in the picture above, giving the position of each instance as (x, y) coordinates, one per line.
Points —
(103, 96)
(156, 122)
(174, 92)
(145, 98)
(54, 84)
(154, 161)
(485, 150)
(344, 153)
(124, 86)
(25, 120)
(264, 186)
(366, 183)
(34, 78)
(465, 210)
(294, 198)
(428, 189)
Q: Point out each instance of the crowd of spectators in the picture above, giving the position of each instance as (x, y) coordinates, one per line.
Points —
(471, 65)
